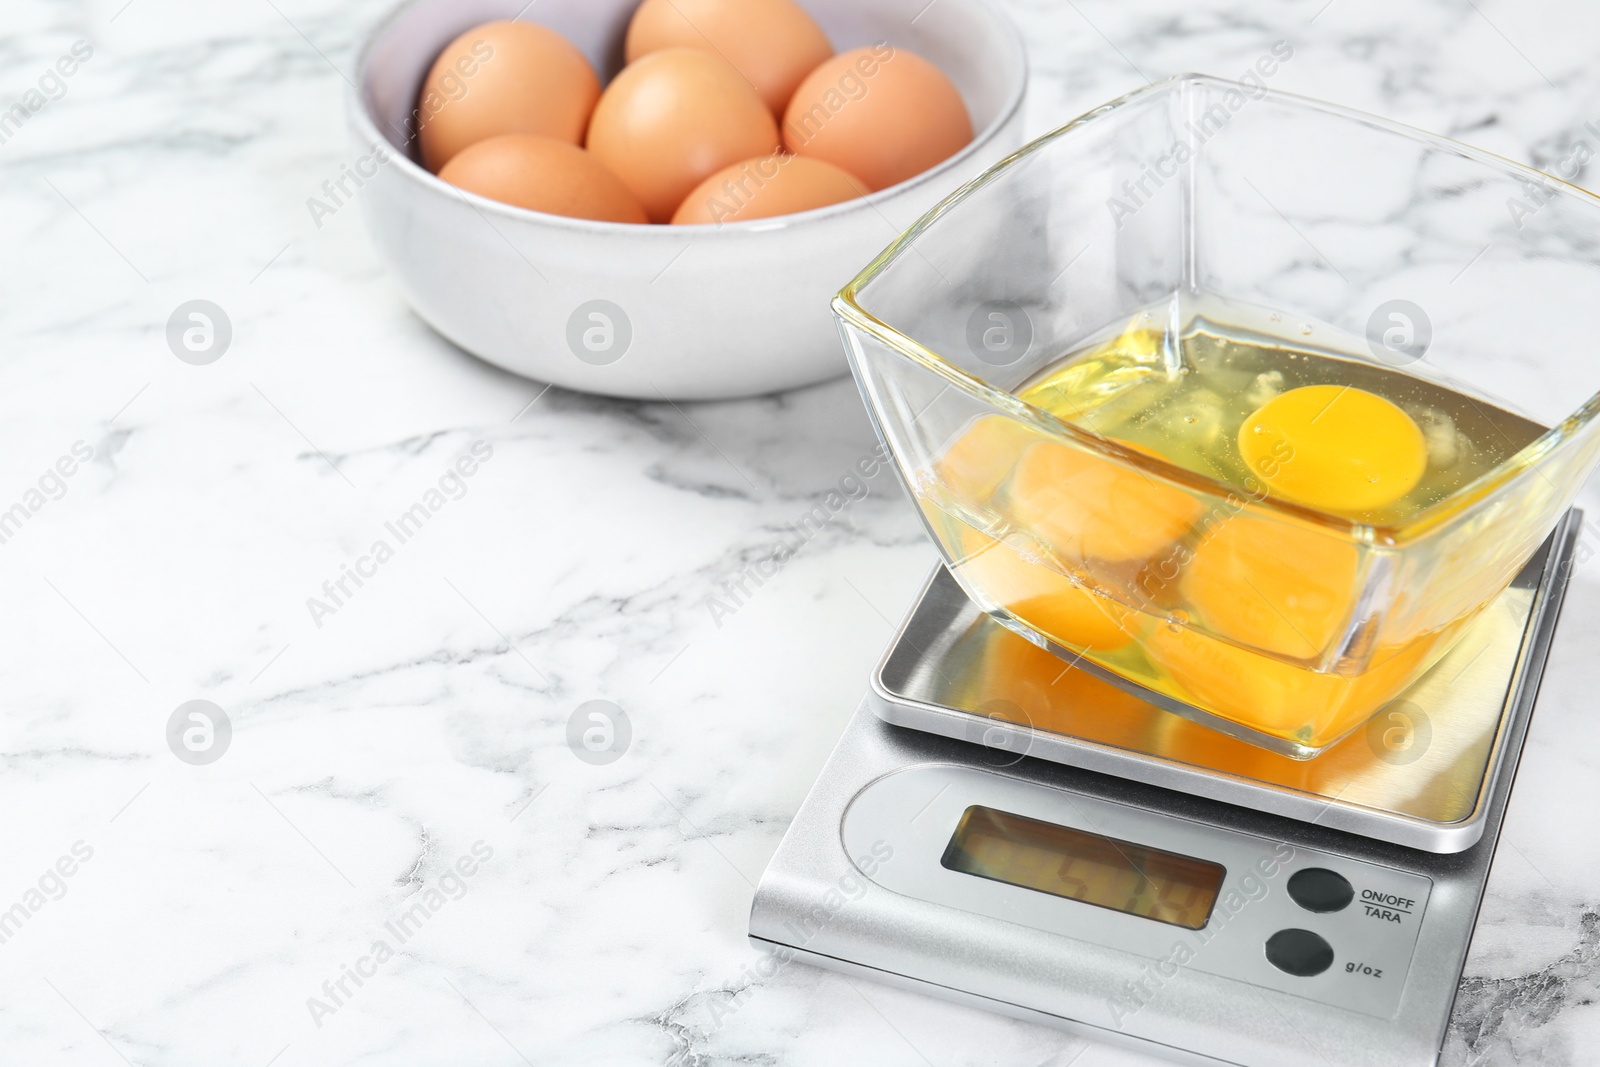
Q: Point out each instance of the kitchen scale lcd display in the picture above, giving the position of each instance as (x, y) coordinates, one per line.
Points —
(1090, 868)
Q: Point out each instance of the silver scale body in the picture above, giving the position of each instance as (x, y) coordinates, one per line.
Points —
(857, 884)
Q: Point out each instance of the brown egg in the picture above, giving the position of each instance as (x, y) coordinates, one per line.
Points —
(773, 43)
(762, 188)
(543, 174)
(882, 113)
(673, 119)
(504, 77)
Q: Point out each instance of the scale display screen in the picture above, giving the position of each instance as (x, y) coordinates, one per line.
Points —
(1097, 870)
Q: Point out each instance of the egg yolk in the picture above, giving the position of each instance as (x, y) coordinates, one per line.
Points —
(1275, 586)
(1279, 698)
(981, 458)
(1087, 506)
(1045, 599)
(1334, 447)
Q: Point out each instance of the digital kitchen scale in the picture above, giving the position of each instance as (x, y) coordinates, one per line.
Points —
(1043, 844)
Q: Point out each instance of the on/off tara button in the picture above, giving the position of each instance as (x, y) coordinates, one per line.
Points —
(1320, 890)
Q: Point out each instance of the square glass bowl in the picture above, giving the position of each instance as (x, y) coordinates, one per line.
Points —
(1151, 235)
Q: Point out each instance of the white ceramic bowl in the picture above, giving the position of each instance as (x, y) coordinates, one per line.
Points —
(683, 312)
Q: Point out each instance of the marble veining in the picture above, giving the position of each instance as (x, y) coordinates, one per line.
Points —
(223, 913)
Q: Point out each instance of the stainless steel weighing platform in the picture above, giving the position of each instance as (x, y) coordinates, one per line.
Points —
(1046, 845)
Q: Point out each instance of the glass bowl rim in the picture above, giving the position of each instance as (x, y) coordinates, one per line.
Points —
(848, 308)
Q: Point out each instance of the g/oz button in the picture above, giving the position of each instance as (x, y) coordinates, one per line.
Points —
(1299, 952)
(1320, 890)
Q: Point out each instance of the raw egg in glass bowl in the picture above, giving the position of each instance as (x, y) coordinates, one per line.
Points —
(732, 300)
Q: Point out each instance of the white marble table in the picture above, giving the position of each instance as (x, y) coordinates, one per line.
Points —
(426, 716)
